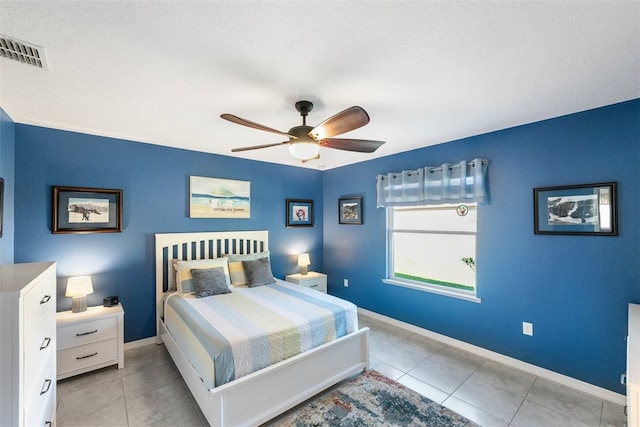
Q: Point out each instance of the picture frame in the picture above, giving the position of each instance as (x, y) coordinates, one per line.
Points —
(588, 209)
(350, 210)
(1, 204)
(82, 210)
(219, 198)
(299, 213)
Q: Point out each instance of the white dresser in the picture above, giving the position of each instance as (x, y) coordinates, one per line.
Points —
(28, 344)
(633, 367)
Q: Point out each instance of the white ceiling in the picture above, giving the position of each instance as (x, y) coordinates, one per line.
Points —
(427, 72)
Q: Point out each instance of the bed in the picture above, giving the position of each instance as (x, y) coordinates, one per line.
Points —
(251, 398)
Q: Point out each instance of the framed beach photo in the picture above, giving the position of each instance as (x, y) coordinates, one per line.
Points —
(219, 198)
(589, 210)
(350, 210)
(86, 210)
(299, 213)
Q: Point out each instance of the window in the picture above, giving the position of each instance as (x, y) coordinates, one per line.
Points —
(433, 248)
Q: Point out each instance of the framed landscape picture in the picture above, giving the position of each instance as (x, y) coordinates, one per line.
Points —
(219, 198)
(589, 209)
(299, 213)
(86, 210)
(350, 210)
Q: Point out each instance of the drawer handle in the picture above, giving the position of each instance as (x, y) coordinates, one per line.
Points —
(45, 387)
(45, 299)
(313, 286)
(87, 356)
(45, 343)
(48, 424)
(86, 333)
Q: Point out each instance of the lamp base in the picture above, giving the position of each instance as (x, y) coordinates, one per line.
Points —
(79, 304)
(304, 270)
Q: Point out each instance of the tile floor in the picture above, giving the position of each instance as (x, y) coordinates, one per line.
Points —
(150, 392)
(487, 392)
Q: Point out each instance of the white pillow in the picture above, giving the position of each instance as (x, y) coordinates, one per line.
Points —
(184, 279)
(236, 271)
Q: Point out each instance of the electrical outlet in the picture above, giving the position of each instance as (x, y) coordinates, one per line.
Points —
(527, 328)
(346, 283)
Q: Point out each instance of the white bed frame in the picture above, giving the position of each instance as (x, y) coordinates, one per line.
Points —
(263, 395)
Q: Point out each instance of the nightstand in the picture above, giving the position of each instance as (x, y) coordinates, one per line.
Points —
(89, 340)
(313, 280)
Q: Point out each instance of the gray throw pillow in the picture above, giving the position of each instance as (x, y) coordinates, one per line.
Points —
(258, 272)
(209, 281)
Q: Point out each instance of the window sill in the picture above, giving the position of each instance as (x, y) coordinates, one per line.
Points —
(433, 290)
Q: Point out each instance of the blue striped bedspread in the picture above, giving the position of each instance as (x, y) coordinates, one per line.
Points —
(252, 328)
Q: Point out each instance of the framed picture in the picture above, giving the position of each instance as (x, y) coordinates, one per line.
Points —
(219, 198)
(299, 213)
(350, 210)
(1, 203)
(86, 210)
(589, 209)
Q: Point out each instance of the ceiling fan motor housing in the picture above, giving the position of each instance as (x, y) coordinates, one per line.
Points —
(302, 133)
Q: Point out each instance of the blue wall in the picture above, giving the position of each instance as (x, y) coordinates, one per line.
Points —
(574, 289)
(155, 182)
(7, 166)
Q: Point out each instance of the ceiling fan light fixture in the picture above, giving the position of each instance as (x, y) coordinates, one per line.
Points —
(304, 150)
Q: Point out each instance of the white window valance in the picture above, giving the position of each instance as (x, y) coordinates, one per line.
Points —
(447, 183)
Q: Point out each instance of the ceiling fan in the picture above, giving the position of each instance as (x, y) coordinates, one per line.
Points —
(305, 141)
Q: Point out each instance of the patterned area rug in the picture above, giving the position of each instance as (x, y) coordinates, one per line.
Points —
(371, 399)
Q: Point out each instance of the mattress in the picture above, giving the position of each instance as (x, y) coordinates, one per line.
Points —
(232, 335)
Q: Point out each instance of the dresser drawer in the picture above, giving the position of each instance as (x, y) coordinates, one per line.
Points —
(80, 333)
(41, 410)
(40, 348)
(75, 358)
(38, 302)
(40, 395)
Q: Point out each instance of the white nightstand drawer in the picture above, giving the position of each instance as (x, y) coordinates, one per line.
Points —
(313, 280)
(317, 284)
(80, 333)
(81, 357)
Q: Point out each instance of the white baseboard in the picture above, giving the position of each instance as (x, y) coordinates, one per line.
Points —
(599, 392)
(139, 343)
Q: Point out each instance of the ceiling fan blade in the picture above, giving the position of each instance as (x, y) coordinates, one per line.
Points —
(358, 145)
(256, 147)
(345, 121)
(249, 123)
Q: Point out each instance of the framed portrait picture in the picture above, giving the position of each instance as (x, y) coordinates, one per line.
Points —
(299, 213)
(219, 198)
(589, 209)
(350, 210)
(86, 210)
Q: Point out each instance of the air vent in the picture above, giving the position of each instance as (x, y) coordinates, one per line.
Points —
(26, 53)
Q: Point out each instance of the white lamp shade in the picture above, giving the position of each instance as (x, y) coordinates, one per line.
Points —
(303, 260)
(79, 286)
(304, 150)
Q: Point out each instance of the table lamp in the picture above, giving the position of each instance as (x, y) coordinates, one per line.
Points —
(303, 262)
(78, 288)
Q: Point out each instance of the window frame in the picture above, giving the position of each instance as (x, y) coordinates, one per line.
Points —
(423, 286)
